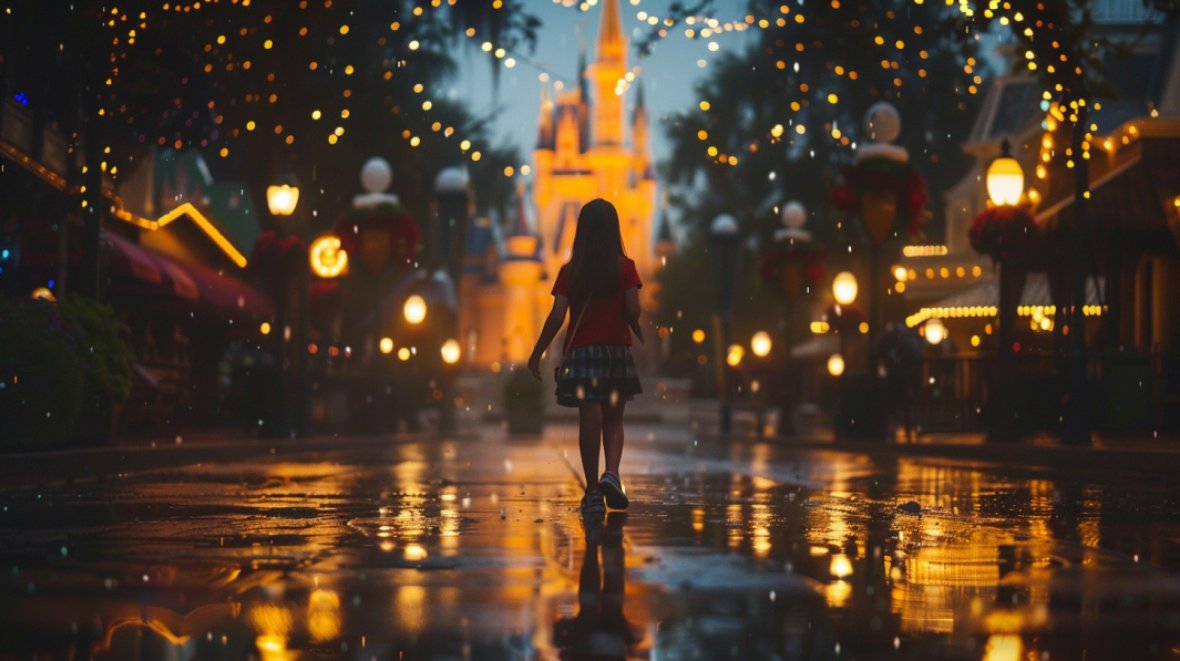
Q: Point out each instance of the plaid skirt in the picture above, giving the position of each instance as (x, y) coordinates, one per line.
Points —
(597, 373)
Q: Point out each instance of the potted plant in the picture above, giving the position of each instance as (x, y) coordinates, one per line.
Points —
(524, 403)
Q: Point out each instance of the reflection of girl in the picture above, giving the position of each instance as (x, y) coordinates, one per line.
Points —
(600, 287)
(599, 630)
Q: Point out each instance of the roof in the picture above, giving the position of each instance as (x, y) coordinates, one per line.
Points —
(1012, 106)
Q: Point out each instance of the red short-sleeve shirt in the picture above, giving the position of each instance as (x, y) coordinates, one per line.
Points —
(605, 321)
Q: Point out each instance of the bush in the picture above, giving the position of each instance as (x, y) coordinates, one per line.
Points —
(105, 361)
(40, 374)
(524, 403)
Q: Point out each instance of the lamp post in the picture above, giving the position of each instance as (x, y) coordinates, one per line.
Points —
(844, 291)
(723, 240)
(282, 199)
(1076, 419)
(1005, 188)
(449, 231)
(793, 240)
(452, 202)
(878, 210)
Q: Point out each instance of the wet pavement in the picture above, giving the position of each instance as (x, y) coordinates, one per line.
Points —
(472, 549)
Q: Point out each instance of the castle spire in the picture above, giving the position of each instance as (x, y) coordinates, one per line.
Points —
(639, 124)
(640, 151)
(611, 43)
(520, 223)
(610, 66)
(522, 242)
(546, 138)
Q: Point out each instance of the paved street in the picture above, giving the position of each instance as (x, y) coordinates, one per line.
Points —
(471, 549)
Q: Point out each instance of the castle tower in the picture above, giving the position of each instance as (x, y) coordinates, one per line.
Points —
(610, 64)
(543, 152)
(521, 276)
(640, 151)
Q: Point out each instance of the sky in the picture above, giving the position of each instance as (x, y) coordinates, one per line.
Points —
(668, 75)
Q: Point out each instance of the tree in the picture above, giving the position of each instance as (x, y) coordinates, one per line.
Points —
(777, 121)
(266, 86)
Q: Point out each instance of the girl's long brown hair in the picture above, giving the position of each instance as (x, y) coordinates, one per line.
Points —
(595, 267)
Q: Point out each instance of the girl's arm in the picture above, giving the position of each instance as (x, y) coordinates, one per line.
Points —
(631, 298)
(552, 324)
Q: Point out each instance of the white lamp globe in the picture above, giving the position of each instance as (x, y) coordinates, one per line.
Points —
(724, 225)
(376, 175)
(794, 215)
(882, 122)
(451, 180)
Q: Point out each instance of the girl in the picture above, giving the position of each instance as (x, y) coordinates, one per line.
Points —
(599, 287)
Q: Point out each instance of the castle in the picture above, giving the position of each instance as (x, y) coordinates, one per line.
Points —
(581, 153)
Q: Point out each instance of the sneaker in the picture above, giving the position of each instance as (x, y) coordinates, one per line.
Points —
(612, 488)
(592, 505)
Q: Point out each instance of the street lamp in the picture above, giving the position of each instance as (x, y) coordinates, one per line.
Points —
(835, 364)
(761, 344)
(935, 331)
(414, 309)
(844, 288)
(735, 355)
(1005, 188)
(450, 351)
(723, 239)
(1005, 179)
(448, 232)
(798, 269)
(281, 199)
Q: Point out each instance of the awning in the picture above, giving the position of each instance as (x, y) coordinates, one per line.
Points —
(983, 300)
(197, 289)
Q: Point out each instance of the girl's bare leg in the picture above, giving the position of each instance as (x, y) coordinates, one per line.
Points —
(589, 437)
(612, 435)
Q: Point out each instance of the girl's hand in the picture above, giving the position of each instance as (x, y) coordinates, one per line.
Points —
(535, 366)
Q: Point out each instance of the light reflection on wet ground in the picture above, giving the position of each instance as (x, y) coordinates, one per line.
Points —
(471, 549)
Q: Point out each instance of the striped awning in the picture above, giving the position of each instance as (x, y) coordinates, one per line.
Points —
(159, 280)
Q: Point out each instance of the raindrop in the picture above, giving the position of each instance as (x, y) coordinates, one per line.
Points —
(772, 596)
(896, 643)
